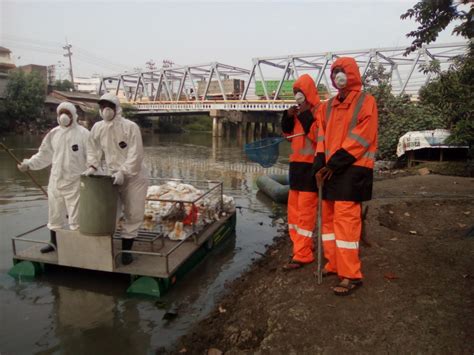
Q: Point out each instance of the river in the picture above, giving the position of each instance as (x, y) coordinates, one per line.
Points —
(75, 311)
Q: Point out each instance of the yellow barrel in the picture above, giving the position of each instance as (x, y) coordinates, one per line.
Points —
(97, 205)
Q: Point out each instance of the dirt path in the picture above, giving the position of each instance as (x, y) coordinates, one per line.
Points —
(418, 294)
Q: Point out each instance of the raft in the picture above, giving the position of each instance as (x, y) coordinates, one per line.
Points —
(275, 186)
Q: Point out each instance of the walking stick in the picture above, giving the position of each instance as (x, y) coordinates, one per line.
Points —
(320, 229)
(26, 172)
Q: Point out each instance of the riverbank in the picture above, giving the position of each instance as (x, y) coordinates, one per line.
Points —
(417, 294)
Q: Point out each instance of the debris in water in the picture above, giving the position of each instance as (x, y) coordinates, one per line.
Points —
(467, 213)
(222, 309)
(462, 225)
(214, 351)
(170, 314)
(183, 350)
(391, 212)
(413, 232)
(406, 214)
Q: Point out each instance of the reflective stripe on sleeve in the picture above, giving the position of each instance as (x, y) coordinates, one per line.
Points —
(329, 236)
(347, 245)
(320, 139)
(359, 139)
(369, 155)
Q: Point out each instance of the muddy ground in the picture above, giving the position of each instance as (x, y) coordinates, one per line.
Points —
(418, 293)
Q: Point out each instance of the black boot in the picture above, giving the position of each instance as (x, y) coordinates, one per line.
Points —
(127, 258)
(49, 248)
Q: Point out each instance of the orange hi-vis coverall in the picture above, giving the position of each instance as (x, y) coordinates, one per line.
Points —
(347, 143)
(302, 198)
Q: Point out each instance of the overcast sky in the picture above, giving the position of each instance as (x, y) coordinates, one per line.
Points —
(110, 36)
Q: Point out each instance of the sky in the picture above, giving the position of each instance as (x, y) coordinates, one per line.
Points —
(109, 37)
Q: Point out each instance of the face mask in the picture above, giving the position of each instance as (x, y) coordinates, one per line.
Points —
(64, 120)
(107, 114)
(299, 98)
(340, 80)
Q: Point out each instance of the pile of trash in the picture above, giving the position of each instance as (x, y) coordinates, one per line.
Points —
(175, 216)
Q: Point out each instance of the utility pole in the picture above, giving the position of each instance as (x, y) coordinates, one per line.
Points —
(68, 47)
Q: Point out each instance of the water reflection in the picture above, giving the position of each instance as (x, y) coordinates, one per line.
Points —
(78, 311)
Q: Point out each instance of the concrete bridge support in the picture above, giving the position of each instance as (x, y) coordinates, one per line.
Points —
(246, 125)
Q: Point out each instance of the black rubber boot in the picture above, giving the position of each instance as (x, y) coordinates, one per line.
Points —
(127, 244)
(49, 248)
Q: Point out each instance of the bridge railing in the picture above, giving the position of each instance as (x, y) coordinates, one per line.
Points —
(269, 81)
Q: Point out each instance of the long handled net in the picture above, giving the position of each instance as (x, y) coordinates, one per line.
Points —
(265, 151)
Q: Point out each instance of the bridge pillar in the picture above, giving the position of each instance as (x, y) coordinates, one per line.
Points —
(257, 132)
(264, 130)
(217, 127)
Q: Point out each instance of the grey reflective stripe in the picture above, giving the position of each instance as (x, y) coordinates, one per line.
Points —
(327, 153)
(328, 110)
(360, 101)
(308, 148)
(359, 139)
(369, 155)
(320, 139)
(351, 134)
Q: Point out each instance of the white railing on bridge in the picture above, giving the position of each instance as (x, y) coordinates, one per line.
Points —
(193, 106)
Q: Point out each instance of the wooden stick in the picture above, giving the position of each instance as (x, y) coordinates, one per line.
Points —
(26, 172)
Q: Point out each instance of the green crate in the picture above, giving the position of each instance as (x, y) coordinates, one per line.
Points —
(286, 90)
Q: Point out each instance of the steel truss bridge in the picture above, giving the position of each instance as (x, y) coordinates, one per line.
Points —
(222, 87)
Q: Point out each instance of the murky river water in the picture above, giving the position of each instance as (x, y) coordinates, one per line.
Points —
(74, 311)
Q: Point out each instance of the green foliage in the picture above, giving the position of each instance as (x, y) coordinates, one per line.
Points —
(434, 16)
(450, 95)
(64, 85)
(197, 123)
(24, 98)
(397, 114)
(128, 110)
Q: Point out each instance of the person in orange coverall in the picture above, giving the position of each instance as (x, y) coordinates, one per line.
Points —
(347, 143)
(302, 198)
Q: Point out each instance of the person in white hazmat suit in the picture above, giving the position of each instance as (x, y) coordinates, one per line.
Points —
(64, 148)
(120, 141)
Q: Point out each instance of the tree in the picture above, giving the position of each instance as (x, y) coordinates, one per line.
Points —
(397, 114)
(24, 97)
(450, 95)
(434, 16)
(64, 85)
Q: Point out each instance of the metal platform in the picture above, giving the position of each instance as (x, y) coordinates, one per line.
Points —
(153, 256)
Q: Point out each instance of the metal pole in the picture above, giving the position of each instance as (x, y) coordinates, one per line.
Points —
(219, 81)
(264, 85)
(319, 226)
(280, 84)
(411, 72)
(26, 172)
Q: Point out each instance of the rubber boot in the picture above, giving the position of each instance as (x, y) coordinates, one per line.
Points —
(127, 258)
(49, 248)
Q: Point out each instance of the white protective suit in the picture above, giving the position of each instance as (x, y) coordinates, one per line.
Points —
(120, 141)
(64, 148)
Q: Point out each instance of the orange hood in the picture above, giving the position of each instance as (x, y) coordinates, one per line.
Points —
(354, 81)
(306, 84)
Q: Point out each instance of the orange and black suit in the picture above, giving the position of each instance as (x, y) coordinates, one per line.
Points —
(302, 198)
(347, 142)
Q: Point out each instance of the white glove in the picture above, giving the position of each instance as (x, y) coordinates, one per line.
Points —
(90, 171)
(23, 166)
(118, 178)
